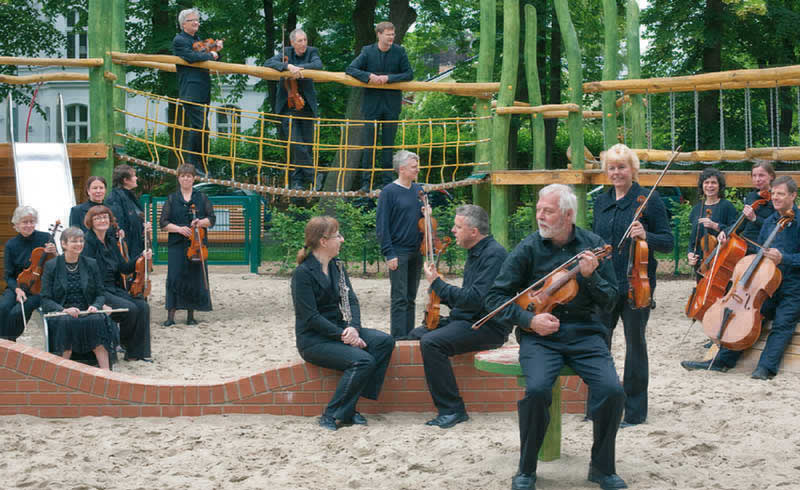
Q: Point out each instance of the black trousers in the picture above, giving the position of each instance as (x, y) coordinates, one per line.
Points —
(637, 371)
(193, 141)
(11, 323)
(134, 326)
(384, 159)
(452, 338)
(364, 369)
(301, 137)
(541, 361)
(404, 283)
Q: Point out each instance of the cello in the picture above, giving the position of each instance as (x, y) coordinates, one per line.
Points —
(717, 267)
(30, 279)
(558, 287)
(432, 247)
(734, 321)
(639, 294)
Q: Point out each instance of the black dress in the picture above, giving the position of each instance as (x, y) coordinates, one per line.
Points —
(63, 288)
(186, 287)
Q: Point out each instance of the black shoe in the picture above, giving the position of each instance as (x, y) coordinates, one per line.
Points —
(327, 422)
(762, 373)
(448, 420)
(523, 481)
(191, 321)
(297, 186)
(359, 419)
(168, 323)
(625, 425)
(702, 366)
(364, 188)
(606, 482)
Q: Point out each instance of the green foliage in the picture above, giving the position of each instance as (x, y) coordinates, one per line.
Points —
(522, 223)
(289, 230)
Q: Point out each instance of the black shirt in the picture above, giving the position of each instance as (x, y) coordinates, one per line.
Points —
(484, 260)
(17, 254)
(723, 213)
(534, 258)
(751, 229)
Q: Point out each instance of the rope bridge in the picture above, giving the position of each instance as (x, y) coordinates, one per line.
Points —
(446, 146)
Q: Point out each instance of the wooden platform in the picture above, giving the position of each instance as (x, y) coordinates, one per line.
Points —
(791, 358)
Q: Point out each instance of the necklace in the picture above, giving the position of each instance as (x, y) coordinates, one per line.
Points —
(71, 267)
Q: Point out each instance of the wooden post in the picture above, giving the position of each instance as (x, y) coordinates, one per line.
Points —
(106, 34)
(483, 153)
(638, 139)
(610, 69)
(502, 124)
(575, 90)
(534, 90)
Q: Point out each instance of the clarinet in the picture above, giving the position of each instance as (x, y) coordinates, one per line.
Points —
(344, 296)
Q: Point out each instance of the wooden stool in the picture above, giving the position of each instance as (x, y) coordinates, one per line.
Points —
(506, 361)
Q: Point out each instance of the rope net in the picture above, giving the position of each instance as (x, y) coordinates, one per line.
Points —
(262, 155)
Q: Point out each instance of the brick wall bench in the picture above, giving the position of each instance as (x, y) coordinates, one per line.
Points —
(34, 382)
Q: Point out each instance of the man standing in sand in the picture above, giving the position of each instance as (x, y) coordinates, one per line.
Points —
(399, 211)
(454, 334)
(570, 335)
(784, 306)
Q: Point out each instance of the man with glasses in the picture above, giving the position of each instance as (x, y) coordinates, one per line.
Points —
(194, 88)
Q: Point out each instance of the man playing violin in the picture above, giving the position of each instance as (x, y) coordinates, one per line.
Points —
(569, 335)
(294, 59)
(17, 258)
(398, 215)
(454, 334)
(194, 87)
(784, 306)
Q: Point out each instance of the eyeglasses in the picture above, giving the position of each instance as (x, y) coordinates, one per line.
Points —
(100, 217)
(193, 20)
(337, 235)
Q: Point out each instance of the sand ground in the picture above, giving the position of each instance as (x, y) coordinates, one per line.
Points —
(705, 430)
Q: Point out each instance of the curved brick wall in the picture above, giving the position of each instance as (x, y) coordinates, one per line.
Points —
(34, 382)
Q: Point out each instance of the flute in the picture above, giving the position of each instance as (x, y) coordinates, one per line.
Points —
(82, 313)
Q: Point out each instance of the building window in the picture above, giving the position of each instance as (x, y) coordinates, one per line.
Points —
(77, 44)
(77, 123)
(229, 119)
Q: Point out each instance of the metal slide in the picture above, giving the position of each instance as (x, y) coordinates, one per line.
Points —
(43, 173)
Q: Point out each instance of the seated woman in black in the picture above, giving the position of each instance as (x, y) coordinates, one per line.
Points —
(17, 258)
(134, 325)
(328, 325)
(71, 284)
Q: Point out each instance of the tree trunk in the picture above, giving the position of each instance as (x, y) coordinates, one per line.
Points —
(712, 62)
(162, 20)
(402, 15)
(550, 125)
(270, 48)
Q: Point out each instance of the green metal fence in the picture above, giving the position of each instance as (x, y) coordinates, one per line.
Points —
(235, 238)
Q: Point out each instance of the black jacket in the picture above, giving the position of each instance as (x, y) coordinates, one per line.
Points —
(316, 303)
(393, 63)
(17, 255)
(54, 284)
(130, 218)
(93, 249)
(194, 84)
(612, 217)
(534, 258)
(310, 61)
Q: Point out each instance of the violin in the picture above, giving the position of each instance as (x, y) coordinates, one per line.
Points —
(30, 279)
(207, 45)
(734, 321)
(123, 250)
(293, 97)
(432, 247)
(717, 267)
(141, 284)
(708, 242)
(639, 294)
(197, 251)
(556, 288)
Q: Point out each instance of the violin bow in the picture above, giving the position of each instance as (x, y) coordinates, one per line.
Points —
(639, 211)
(24, 318)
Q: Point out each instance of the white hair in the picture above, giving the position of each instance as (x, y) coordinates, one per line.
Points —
(23, 212)
(402, 158)
(621, 153)
(295, 32)
(566, 198)
(185, 13)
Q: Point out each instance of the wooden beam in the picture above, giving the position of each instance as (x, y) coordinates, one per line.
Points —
(789, 82)
(538, 109)
(85, 62)
(673, 178)
(80, 151)
(44, 77)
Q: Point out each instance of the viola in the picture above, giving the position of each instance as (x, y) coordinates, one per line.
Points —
(556, 288)
(30, 279)
(208, 45)
(293, 98)
(141, 284)
(717, 267)
(734, 321)
(432, 247)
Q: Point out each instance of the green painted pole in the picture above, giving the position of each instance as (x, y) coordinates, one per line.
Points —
(106, 34)
(534, 90)
(638, 139)
(502, 123)
(483, 153)
(610, 71)
(575, 90)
